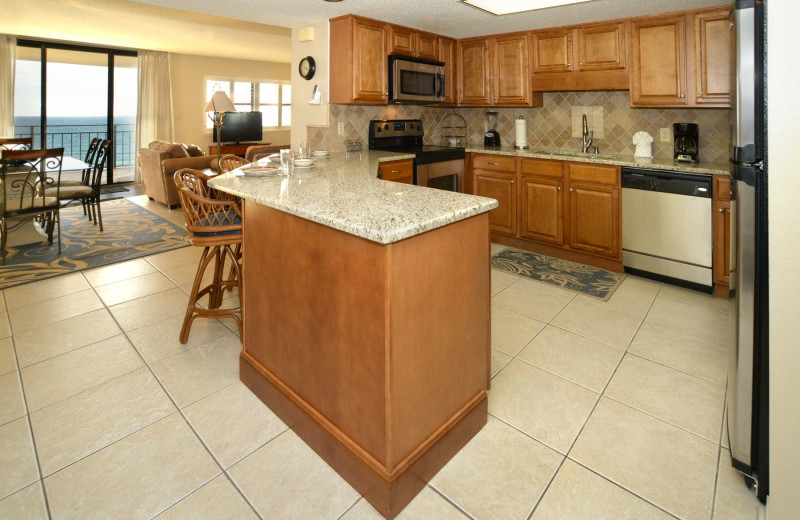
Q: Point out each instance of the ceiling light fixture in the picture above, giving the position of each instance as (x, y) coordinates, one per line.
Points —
(500, 7)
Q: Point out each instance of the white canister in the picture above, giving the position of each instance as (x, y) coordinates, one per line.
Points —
(521, 133)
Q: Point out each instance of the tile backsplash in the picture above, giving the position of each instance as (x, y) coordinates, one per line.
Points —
(549, 127)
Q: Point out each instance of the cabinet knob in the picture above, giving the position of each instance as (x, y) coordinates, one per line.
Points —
(558, 188)
(495, 98)
(512, 182)
(397, 171)
(683, 96)
(581, 64)
(721, 210)
(699, 96)
(570, 190)
(492, 163)
(484, 97)
(569, 64)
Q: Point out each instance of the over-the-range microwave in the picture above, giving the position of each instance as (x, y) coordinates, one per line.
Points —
(413, 80)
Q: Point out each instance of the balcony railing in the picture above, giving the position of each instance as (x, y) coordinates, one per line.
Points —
(75, 140)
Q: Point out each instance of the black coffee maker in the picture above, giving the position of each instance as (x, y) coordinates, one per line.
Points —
(491, 138)
(686, 142)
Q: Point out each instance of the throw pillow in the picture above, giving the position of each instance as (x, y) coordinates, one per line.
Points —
(194, 151)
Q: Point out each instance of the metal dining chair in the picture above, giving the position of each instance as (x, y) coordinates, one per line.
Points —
(15, 143)
(24, 173)
(216, 226)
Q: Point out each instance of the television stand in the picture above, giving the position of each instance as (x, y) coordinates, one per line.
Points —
(233, 149)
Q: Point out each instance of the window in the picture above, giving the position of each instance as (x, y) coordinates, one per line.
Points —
(272, 98)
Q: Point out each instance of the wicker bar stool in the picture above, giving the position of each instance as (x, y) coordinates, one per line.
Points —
(216, 226)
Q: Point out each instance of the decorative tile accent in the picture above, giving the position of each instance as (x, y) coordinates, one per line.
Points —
(549, 127)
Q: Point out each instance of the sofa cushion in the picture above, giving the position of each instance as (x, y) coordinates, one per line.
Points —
(170, 149)
(194, 150)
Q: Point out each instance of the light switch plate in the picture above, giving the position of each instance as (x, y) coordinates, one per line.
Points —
(665, 135)
(340, 129)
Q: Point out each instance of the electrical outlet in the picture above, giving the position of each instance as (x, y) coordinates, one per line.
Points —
(665, 135)
(341, 129)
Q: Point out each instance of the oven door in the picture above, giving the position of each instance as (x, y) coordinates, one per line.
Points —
(444, 175)
(415, 81)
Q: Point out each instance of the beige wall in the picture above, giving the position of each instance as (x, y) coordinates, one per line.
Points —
(188, 92)
(784, 250)
(304, 114)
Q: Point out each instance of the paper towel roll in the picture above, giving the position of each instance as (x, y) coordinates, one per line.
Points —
(521, 133)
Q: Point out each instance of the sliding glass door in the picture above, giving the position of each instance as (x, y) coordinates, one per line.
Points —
(66, 95)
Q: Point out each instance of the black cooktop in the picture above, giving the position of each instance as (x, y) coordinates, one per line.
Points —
(405, 136)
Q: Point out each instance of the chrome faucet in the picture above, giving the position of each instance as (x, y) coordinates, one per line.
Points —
(587, 138)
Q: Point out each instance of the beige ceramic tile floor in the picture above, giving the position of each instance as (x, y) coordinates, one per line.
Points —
(597, 410)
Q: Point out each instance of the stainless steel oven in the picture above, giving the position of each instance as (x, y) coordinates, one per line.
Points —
(413, 80)
(440, 167)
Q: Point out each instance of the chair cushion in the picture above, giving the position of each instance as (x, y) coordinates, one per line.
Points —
(207, 223)
(70, 192)
(25, 203)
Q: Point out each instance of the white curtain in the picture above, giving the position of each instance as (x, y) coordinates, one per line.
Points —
(8, 51)
(154, 114)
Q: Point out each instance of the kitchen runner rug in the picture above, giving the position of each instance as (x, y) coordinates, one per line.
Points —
(584, 279)
(129, 231)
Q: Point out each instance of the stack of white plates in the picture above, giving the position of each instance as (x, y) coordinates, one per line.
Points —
(320, 154)
(303, 163)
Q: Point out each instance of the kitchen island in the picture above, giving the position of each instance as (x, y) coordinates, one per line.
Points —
(367, 318)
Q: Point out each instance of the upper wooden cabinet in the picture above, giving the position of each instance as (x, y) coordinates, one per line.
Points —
(447, 55)
(681, 60)
(712, 58)
(494, 72)
(587, 57)
(360, 62)
(409, 42)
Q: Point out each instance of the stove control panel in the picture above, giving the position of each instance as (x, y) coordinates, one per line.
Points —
(395, 128)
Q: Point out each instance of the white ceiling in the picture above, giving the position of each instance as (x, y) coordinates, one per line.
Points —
(446, 17)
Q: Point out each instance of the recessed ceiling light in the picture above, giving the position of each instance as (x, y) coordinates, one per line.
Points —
(500, 7)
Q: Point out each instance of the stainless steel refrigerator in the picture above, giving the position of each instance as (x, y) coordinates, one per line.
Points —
(748, 373)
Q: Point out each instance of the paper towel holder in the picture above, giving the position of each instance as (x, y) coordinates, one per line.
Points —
(517, 145)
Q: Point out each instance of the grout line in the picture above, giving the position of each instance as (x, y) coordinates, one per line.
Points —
(451, 502)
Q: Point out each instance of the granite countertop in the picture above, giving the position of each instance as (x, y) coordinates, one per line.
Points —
(718, 168)
(344, 193)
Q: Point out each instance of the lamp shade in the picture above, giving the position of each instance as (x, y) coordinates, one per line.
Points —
(220, 102)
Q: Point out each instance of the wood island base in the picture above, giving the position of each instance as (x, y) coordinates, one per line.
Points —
(376, 355)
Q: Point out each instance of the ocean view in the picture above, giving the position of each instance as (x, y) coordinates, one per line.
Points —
(75, 134)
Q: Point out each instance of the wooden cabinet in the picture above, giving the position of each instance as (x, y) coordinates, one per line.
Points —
(473, 72)
(235, 149)
(681, 60)
(563, 209)
(447, 55)
(397, 171)
(721, 222)
(712, 58)
(359, 64)
(408, 42)
(495, 72)
(542, 201)
(494, 176)
(586, 57)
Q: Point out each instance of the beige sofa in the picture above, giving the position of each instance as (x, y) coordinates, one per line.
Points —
(159, 162)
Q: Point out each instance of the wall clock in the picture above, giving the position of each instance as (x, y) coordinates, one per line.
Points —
(307, 67)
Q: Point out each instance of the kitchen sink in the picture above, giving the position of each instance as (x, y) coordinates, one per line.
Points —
(568, 153)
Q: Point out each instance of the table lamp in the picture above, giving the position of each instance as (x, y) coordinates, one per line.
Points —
(219, 104)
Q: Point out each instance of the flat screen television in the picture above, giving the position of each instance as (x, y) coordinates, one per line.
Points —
(240, 126)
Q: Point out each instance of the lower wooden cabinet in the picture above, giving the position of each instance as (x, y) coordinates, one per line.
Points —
(721, 224)
(558, 208)
(397, 171)
(500, 186)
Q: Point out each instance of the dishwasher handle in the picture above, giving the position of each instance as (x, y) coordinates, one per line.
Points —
(661, 181)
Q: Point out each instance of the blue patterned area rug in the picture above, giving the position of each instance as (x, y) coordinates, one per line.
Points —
(584, 279)
(129, 231)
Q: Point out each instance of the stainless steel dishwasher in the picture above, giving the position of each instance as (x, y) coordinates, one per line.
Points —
(666, 226)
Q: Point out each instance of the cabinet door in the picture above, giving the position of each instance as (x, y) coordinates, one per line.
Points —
(594, 218)
(511, 78)
(658, 61)
(601, 47)
(552, 51)
(542, 205)
(503, 218)
(401, 41)
(447, 55)
(369, 61)
(473, 68)
(397, 171)
(426, 46)
(721, 262)
(712, 58)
